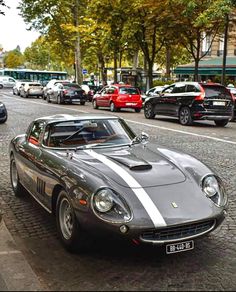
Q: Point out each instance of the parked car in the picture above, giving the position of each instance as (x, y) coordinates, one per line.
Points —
(118, 96)
(89, 90)
(233, 92)
(189, 101)
(66, 92)
(31, 89)
(92, 172)
(7, 82)
(17, 86)
(3, 113)
(50, 84)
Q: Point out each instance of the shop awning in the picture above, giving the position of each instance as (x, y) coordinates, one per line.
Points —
(211, 66)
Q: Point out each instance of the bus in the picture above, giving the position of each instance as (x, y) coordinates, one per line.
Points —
(42, 76)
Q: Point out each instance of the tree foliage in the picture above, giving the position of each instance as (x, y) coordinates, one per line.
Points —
(14, 59)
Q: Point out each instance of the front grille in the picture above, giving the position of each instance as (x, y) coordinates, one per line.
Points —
(178, 232)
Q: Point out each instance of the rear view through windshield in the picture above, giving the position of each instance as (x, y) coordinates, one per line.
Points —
(128, 90)
(216, 91)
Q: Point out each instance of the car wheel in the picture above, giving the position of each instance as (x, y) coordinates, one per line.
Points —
(95, 104)
(13, 91)
(185, 118)
(1, 86)
(16, 185)
(48, 98)
(71, 235)
(148, 111)
(59, 99)
(113, 107)
(138, 110)
(82, 102)
(221, 123)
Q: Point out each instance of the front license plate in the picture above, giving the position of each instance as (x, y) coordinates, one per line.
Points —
(221, 103)
(76, 99)
(179, 247)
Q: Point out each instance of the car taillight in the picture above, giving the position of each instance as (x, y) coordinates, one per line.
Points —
(201, 95)
(65, 91)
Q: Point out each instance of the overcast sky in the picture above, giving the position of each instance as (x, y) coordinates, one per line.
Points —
(13, 29)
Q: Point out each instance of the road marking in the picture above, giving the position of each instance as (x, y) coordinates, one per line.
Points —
(9, 252)
(139, 123)
(183, 132)
(140, 193)
(48, 104)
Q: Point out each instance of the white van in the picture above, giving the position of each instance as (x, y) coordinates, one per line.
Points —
(7, 81)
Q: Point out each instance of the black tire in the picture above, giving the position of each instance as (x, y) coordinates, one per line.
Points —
(138, 110)
(221, 123)
(69, 231)
(82, 102)
(48, 98)
(185, 117)
(113, 107)
(148, 111)
(95, 104)
(3, 121)
(16, 185)
(1, 86)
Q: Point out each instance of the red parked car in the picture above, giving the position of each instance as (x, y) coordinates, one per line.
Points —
(117, 96)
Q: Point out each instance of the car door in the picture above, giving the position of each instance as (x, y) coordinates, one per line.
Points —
(102, 98)
(174, 99)
(30, 152)
(161, 100)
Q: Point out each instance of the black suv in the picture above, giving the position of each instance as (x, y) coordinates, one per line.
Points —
(192, 101)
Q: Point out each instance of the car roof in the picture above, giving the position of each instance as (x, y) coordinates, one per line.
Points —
(71, 117)
(122, 85)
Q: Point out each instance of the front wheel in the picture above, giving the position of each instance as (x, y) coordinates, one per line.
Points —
(95, 104)
(16, 185)
(185, 118)
(148, 111)
(48, 98)
(69, 231)
(82, 102)
(221, 123)
(138, 110)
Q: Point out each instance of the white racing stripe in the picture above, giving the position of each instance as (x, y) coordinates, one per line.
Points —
(143, 197)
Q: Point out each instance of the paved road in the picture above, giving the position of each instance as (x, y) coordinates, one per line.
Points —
(210, 266)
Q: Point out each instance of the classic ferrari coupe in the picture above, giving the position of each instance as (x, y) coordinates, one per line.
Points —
(101, 180)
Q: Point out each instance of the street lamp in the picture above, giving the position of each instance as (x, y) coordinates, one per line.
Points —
(223, 81)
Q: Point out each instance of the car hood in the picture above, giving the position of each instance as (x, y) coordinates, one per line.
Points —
(143, 166)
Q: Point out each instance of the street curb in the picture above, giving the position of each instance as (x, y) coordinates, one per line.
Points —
(15, 272)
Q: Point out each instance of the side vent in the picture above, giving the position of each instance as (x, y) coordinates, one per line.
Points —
(41, 186)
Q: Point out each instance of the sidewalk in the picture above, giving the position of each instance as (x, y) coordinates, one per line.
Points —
(15, 272)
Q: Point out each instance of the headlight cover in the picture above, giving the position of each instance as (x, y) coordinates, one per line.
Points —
(213, 189)
(110, 206)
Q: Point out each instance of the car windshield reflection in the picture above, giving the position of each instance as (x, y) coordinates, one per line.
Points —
(85, 134)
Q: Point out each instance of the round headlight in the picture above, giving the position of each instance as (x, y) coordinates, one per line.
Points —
(103, 200)
(214, 190)
(210, 186)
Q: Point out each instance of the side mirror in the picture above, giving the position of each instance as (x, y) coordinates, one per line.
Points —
(142, 138)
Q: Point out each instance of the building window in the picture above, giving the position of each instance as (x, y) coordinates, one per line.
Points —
(206, 43)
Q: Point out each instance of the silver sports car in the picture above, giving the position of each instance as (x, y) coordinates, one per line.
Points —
(101, 179)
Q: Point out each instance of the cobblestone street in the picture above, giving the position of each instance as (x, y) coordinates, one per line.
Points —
(210, 266)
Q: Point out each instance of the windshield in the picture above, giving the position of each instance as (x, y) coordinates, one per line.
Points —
(88, 133)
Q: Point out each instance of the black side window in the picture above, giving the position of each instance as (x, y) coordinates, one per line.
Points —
(168, 89)
(192, 88)
(179, 89)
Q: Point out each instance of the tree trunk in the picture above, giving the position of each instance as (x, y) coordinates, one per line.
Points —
(78, 66)
(196, 70)
(115, 65)
(150, 77)
(168, 55)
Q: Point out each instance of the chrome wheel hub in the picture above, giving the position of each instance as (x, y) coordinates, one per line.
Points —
(66, 218)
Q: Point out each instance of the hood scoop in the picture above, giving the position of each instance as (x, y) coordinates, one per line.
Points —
(131, 161)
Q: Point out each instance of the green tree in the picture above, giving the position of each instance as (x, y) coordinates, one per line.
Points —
(14, 59)
(191, 21)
